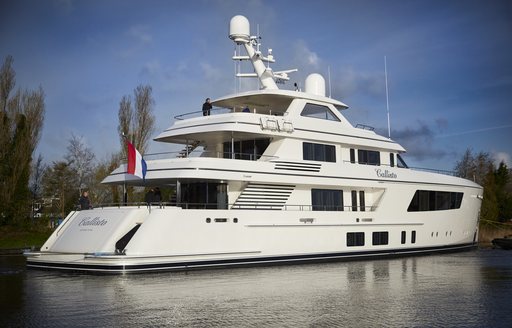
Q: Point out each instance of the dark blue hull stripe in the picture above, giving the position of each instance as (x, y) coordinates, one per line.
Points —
(175, 266)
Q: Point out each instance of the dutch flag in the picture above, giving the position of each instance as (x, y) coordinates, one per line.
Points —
(136, 163)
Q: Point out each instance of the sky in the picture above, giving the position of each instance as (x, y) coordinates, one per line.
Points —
(449, 65)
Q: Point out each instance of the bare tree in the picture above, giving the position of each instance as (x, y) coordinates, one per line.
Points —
(81, 159)
(138, 123)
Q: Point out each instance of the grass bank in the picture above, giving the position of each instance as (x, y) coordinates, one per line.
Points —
(488, 232)
(23, 237)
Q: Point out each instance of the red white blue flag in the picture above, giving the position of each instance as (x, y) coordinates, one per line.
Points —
(136, 163)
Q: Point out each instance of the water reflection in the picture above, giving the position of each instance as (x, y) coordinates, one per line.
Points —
(467, 289)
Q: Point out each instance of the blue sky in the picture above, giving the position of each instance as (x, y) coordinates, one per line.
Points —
(449, 64)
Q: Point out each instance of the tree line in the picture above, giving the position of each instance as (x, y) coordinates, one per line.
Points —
(497, 183)
(27, 183)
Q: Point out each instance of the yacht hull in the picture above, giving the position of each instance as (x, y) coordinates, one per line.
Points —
(171, 238)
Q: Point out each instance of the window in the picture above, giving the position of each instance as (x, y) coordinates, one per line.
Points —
(362, 206)
(430, 200)
(404, 237)
(318, 111)
(352, 155)
(392, 160)
(380, 238)
(246, 149)
(413, 237)
(354, 200)
(400, 162)
(369, 157)
(326, 200)
(318, 152)
(355, 239)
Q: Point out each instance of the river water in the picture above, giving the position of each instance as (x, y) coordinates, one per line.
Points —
(469, 289)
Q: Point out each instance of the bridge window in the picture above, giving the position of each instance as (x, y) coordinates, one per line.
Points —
(318, 111)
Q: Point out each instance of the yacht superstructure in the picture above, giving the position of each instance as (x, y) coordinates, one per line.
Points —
(282, 176)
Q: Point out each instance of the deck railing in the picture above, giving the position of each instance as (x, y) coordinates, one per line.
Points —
(215, 206)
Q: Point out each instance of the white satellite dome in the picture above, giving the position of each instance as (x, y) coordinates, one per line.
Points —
(315, 84)
(239, 29)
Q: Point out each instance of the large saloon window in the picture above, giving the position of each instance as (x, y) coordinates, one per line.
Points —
(326, 200)
(318, 111)
(251, 149)
(201, 195)
(318, 152)
(430, 200)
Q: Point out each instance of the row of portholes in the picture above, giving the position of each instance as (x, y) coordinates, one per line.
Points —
(447, 233)
(221, 220)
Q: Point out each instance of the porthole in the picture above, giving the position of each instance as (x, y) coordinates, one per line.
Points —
(208, 220)
(235, 220)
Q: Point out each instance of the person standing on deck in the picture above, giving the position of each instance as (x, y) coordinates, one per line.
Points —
(207, 106)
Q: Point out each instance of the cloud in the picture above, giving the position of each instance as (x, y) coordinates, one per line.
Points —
(349, 82)
(151, 69)
(140, 34)
(501, 157)
(304, 57)
(419, 142)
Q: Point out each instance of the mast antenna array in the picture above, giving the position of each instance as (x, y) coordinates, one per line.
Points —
(239, 32)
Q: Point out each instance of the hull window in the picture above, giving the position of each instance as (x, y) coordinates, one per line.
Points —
(380, 238)
(404, 237)
(413, 237)
(355, 239)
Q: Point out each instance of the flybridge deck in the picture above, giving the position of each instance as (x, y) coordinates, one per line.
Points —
(273, 176)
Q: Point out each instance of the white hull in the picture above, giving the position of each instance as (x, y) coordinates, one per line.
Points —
(172, 238)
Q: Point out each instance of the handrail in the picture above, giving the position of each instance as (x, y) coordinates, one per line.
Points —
(214, 206)
(200, 113)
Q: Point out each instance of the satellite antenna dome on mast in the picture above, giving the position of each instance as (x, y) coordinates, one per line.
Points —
(315, 84)
(239, 29)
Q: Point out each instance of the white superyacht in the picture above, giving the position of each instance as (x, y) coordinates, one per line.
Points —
(281, 177)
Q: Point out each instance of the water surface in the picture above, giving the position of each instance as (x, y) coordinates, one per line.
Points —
(469, 289)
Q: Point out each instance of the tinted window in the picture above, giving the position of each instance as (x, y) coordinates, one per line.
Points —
(380, 238)
(352, 155)
(318, 152)
(369, 157)
(327, 200)
(355, 238)
(318, 111)
(430, 200)
(404, 236)
(392, 160)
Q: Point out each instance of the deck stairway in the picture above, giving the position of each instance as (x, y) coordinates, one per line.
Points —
(263, 197)
(188, 149)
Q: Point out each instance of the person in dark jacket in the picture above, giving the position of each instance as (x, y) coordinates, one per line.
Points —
(207, 106)
(84, 201)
